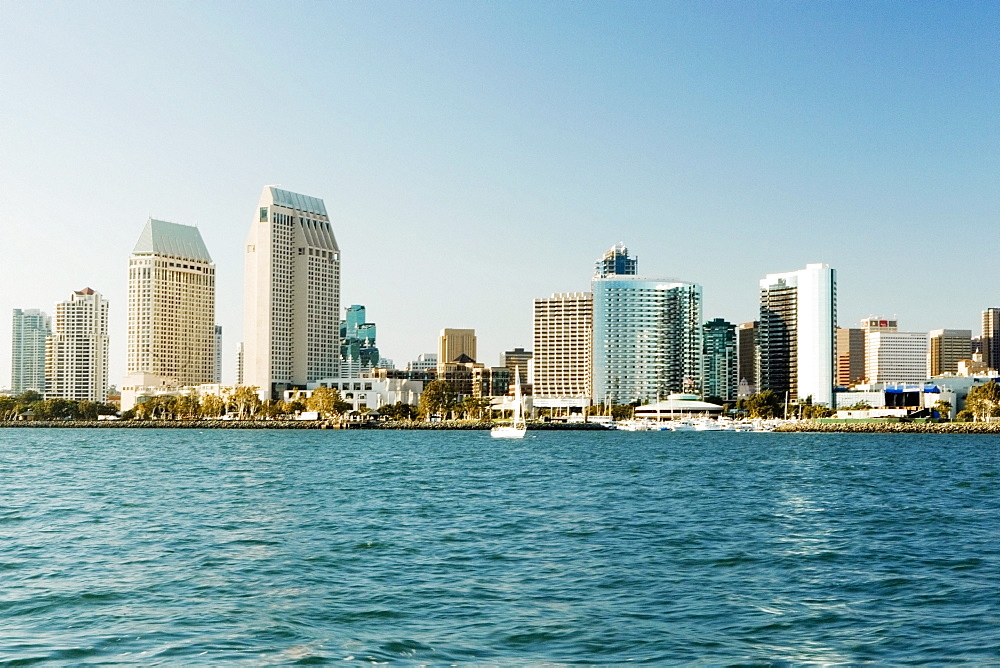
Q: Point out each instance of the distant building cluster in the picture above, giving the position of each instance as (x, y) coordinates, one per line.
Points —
(629, 339)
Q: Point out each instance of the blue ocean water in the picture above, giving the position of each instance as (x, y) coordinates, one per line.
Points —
(173, 547)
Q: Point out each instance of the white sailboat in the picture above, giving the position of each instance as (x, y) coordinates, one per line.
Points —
(517, 426)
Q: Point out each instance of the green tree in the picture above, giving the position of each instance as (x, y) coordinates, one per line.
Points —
(86, 410)
(475, 407)
(943, 407)
(245, 402)
(984, 400)
(212, 405)
(437, 398)
(327, 402)
(764, 405)
(623, 412)
(28, 397)
(188, 406)
(400, 411)
(7, 408)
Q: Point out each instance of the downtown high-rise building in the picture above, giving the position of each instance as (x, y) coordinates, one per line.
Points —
(30, 331)
(647, 340)
(562, 362)
(517, 363)
(850, 356)
(456, 345)
(358, 349)
(798, 316)
(947, 348)
(291, 294)
(719, 361)
(892, 356)
(218, 354)
(990, 339)
(171, 308)
(746, 356)
(616, 262)
(76, 359)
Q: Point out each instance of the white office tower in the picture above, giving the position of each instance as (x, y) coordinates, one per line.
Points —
(31, 328)
(171, 308)
(798, 318)
(76, 359)
(896, 357)
(291, 319)
(647, 338)
(561, 349)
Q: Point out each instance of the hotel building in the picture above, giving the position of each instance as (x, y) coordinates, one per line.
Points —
(647, 338)
(291, 295)
(562, 362)
(76, 358)
(171, 308)
(798, 314)
(30, 331)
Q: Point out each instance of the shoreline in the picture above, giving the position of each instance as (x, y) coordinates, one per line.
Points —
(473, 425)
(891, 427)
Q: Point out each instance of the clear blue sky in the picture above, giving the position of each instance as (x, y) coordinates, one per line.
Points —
(476, 155)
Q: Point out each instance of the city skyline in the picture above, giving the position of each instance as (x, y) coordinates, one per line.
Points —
(483, 159)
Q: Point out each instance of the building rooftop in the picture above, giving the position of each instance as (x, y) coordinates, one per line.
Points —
(298, 202)
(162, 238)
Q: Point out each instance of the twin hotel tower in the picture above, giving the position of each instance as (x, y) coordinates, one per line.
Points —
(630, 338)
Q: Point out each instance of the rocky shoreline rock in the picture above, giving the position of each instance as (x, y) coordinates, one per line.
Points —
(892, 427)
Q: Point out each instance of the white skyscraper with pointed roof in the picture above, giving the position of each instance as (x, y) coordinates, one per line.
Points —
(171, 307)
(291, 294)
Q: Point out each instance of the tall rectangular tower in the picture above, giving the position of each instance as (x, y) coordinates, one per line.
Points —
(746, 354)
(171, 306)
(291, 294)
(76, 360)
(719, 361)
(562, 347)
(647, 338)
(991, 337)
(948, 346)
(454, 344)
(850, 356)
(31, 328)
(798, 315)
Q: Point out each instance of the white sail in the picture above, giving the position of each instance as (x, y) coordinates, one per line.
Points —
(518, 426)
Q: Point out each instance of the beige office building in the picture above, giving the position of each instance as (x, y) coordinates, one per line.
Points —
(171, 308)
(563, 349)
(948, 347)
(291, 317)
(456, 344)
(76, 354)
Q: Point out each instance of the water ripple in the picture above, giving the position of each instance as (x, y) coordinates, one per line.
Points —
(259, 548)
